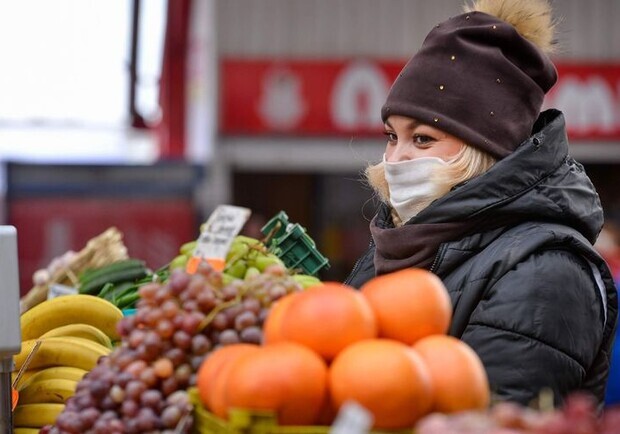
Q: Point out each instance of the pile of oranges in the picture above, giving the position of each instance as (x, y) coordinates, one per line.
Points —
(384, 347)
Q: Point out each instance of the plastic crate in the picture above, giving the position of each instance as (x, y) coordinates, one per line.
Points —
(129, 312)
(252, 422)
(291, 243)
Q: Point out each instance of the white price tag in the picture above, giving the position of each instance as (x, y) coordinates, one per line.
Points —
(352, 419)
(217, 235)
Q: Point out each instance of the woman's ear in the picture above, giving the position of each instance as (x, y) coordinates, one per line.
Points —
(375, 176)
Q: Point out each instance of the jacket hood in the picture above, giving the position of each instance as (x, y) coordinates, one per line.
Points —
(539, 181)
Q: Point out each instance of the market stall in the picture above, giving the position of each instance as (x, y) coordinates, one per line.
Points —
(234, 335)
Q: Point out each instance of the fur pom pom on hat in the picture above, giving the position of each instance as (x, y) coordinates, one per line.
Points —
(482, 75)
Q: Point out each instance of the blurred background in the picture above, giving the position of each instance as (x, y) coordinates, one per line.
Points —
(146, 115)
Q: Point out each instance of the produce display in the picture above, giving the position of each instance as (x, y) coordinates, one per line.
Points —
(263, 336)
(141, 386)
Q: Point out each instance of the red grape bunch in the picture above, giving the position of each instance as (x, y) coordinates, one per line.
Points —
(578, 415)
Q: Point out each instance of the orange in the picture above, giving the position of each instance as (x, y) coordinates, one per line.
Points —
(328, 318)
(212, 373)
(459, 379)
(273, 322)
(387, 378)
(285, 378)
(328, 412)
(409, 304)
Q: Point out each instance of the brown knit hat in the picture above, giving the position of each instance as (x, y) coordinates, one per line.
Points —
(481, 76)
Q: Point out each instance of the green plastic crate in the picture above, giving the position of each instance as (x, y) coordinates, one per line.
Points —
(291, 243)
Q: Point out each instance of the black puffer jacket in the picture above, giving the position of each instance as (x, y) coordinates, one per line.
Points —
(533, 299)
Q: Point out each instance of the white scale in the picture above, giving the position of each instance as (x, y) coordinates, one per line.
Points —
(10, 333)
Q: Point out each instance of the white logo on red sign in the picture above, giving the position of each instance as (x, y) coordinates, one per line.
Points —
(281, 105)
(589, 105)
(357, 96)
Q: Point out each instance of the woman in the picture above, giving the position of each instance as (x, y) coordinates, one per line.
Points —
(478, 187)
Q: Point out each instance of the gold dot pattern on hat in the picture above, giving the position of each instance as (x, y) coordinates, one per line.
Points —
(492, 113)
(494, 27)
(441, 87)
(498, 80)
(467, 17)
(435, 119)
(453, 57)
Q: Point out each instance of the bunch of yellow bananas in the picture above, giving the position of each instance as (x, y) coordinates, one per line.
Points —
(72, 332)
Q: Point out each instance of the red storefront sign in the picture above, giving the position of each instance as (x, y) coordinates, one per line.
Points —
(323, 97)
(589, 96)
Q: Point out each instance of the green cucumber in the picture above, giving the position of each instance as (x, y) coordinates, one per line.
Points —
(127, 301)
(127, 273)
(94, 273)
(95, 286)
(106, 289)
(120, 290)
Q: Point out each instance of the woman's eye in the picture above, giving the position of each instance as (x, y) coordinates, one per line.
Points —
(421, 139)
(391, 137)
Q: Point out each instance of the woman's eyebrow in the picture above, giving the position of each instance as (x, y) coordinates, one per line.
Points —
(410, 124)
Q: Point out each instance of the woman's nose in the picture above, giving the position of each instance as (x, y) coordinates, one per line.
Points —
(399, 153)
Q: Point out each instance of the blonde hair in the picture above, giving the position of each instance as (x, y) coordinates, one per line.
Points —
(467, 164)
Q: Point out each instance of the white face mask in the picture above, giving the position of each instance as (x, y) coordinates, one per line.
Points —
(410, 184)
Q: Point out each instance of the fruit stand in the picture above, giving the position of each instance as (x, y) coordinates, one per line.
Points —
(253, 342)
